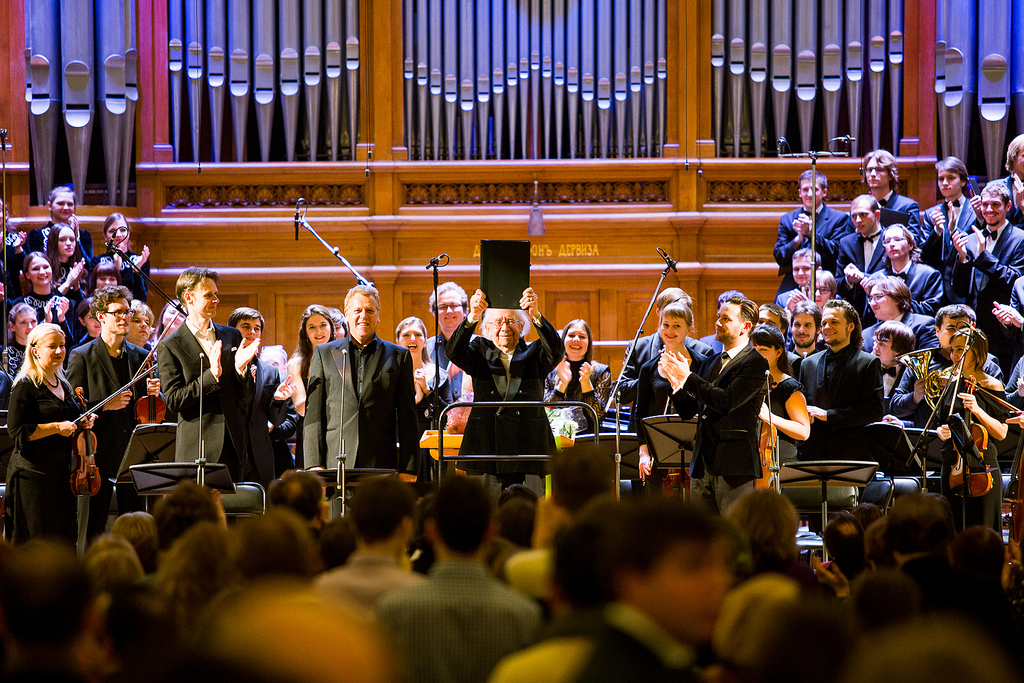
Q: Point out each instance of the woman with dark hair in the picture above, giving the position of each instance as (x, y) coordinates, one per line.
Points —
(40, 294)
(117, 230)
(579, 377)
(785, 393)
(315, 328)
(66, 261)
(105, 274)
(977, 407)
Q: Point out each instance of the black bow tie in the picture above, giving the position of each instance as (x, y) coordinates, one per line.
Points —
(870, 238)
(990, 234)
(956, 203)
(890, 371)
(902, 276)
(881, 203)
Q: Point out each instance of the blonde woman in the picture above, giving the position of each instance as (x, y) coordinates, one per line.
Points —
(41, 424)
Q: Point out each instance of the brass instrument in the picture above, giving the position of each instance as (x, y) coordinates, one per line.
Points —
(919, 363)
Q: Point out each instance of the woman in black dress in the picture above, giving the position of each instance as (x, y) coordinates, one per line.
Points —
(978, 408)
(70, 272)
(579, 377)
(654, 392)
(42, 410)
(40, 293)
(785, 395)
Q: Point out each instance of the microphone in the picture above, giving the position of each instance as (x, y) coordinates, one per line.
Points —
(298, 216)
(110, 248)
(779, 144)
(436, 261)
(668, 260)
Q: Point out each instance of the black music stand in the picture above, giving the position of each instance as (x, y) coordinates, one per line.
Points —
(670, 439)
(148, 444)
(893, 448)
(606, 444)
(329, 478)
(158, 478)
(827, 473)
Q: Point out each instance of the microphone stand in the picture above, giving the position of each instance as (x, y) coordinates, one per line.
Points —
(5, 354)
(813, 156)
(434, 264)
(201, 461)
(616, 396)
(300, 219)
(342, 456)
(125, 258)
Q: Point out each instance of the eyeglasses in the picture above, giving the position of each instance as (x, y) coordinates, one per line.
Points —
(444, 308)
(514, 323)
(121, 313)
(877, 297)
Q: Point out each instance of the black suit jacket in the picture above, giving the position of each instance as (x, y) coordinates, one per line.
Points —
(830, 227)
(855, 400)
(91, 367)
(6, 385)
(380, 424)
(263, 412)
(727, 427)
(850, 251)
(183, 376)
(923, 327)
(938, 251)
(507, 431)
(647, 348)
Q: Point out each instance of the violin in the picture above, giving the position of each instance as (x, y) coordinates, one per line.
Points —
(767, 443)
(969, 465)
(85, 475)
(150, 409)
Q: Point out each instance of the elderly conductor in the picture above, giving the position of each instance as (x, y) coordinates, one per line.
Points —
(506, 368)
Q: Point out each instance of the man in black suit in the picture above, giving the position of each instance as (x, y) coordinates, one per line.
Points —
(728, 390)
(271, 402)
(100, 368)
(650, 346)
(890, 299)
(988, 262)
(376, 395)
(506, 368)
(202, 362)
(795, 229)
(861, 253)
(881, 176)
(954, 214)
(843, 385)
(901, 254)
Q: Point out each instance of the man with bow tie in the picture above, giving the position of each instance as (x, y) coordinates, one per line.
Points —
(860, 253)
(953, 214)
(988, 262)
(843, 385)
(902, 261)
(727, 392)
(881, 176)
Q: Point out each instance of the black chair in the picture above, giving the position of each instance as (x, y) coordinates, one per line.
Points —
(248, 500)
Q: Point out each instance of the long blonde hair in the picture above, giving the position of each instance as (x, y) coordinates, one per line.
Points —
(30, 366)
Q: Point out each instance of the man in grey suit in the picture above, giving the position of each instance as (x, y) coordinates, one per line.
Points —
(376, 395)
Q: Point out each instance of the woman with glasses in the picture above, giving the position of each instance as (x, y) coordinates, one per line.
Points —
(890, 299)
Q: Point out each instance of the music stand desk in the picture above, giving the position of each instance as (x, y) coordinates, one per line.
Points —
(158, 478)
(670, 439)
(827, 473)
(148, 444)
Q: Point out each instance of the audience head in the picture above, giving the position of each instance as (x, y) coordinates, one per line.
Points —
(275, 544)
(453, 309)
(185, 507)
(382, 510)
(769, 341)
(462, 518)
(248, 321)
(303, 494)
(673, 563)
(411, 333)
(580, 474)
(337, 542)
(582, 573)
(515, 518)
(578, 341)
(979, 551)
(362, 311)
(840, 325)
(769, 522)
(112, 563)
(196, 568)
(844, 539)
(884, 598)
(748, 613)
(877, 554)
(139, 529)
(918, 523)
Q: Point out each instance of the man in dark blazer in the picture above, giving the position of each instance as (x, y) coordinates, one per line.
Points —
(271, 401)
(861, 253)
(505, 368)
(925, 282)
(376, 395)
(954, 214)
(890, 299)
(100, 368)
(650, 346)
(202, 362)
(795, 229)
(728, 390)
(843, 386)
(881, 176)
(988, 262)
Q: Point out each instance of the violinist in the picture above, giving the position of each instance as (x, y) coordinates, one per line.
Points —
(101, 367)
(39, 500)
(978, 408)
(785, 396)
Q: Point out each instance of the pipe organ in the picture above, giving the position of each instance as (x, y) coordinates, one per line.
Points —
(535, 79)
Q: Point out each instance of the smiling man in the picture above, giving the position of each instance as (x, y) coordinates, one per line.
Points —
(376, 395)
(101, 367)
(451, 306)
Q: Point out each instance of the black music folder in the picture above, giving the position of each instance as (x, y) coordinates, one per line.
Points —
(504, 271)
(889, 217)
